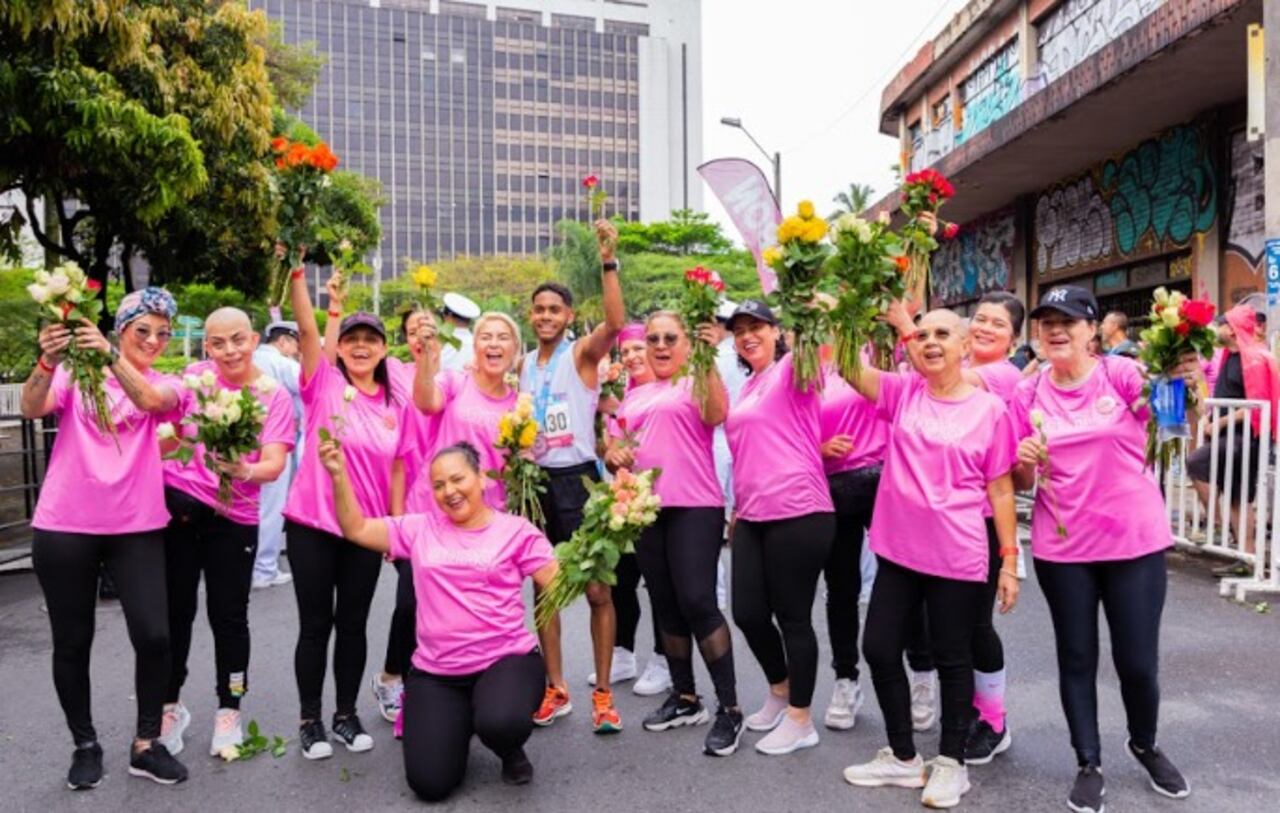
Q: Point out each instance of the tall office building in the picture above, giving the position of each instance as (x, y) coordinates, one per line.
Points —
(481, 119)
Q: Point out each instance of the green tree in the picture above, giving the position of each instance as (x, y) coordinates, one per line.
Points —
(853, 200)
(686, 233)
(293, 68)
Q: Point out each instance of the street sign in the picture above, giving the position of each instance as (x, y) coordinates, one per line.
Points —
(189, 321)
(1273, 272)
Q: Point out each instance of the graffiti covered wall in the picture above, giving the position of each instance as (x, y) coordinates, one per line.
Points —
(1243, 221)
(1077, 29)
(1149, 201)
(979, 260)
(990, 92)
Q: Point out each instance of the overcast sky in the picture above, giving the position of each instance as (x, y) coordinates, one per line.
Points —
(805, 77)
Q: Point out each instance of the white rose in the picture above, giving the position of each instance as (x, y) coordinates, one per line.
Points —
(231, 753)
(1037, 418)
(265, 384)
(349, 394)
(58, 283)
(42, 278)
(326, 182)
(73, 272)
(40, 293)
(208, 379)
(884, 218)
(191, 382)
(227, 397)
(344, 245)
(1162, 295)
(214, 412)
(1170, 317)
(616, 523)
(166, 431)
(232, 414)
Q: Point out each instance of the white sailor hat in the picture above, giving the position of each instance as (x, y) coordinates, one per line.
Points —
(725, 312)
(461, 306)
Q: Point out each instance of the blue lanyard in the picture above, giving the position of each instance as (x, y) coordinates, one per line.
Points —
(543, 396)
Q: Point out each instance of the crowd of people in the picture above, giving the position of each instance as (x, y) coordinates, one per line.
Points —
(363, 458)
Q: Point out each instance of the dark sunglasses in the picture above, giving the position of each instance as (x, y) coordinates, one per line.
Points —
(656, 339)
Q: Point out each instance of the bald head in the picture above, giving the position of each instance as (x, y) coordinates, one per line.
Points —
(946, 318)
(227, 320)
(229, 341)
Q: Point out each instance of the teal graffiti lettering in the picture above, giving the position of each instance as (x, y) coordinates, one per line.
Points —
(1166, 186)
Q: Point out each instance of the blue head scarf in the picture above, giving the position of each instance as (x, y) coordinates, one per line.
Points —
(140, 303)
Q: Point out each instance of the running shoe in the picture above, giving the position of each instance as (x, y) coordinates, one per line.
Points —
(725, 734)
(655, 679)
(984, 744)
(622, 668)
(676, 711)
(227, 732)
(516, 768)
(157, 764)
(86, 767)
(352, 734)
(1166, 780)
(887, 770)
(604, 717)
(389, 697)
(1088, 794)
(172, 726)
(948, 781)
(789, 736)
(769, 715)
(555, 703)
(846, 699)
(282, 577)
(314, 740)
(924, 694)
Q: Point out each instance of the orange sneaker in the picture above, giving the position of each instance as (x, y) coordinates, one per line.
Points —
(604, 717)
(555, 703)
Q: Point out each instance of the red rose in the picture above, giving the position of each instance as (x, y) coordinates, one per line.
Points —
(1183, 328)
(950, 231)
(92, 286)
(590, 182)
(933, 198)
(67, 308)
(903, 262)
(913, 178)
(1198, 312)
(622, 424)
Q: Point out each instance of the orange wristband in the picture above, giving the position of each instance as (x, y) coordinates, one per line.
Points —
(297, 272)
(335, 314)
(1008, 552)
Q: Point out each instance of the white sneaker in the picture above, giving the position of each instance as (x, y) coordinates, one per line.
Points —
(924, 694)
(172, 726)
(770, 714)
(656, 678)
(886, 770)
(227, 732)
(846, 699)
(622, 668)
(389, 696)
(281, 577)
(948, 781)
(722, 588)
(789, 736)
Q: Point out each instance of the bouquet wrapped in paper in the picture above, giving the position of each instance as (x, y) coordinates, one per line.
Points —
(225, 422)
(703, 291)
(1179, 326)
(798, 260)
(523, 479)
(612, 520)
(868, 266)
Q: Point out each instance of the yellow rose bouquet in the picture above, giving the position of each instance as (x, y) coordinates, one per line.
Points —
(798, 260)
(523, 479)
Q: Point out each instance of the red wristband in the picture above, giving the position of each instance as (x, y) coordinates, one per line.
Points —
(1008, 552)
(335, 314)
(297, 273)
(40, 363)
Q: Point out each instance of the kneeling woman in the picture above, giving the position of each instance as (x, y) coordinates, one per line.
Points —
(476, 667)
(949, 455)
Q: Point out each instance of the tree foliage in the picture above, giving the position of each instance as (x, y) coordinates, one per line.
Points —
(686, 233)
(853, 200)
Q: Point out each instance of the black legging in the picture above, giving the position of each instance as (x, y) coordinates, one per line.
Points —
(200, 540)
(952, 607)
(334, 581)
(67, 566)
(854, 495)
(626, 605)
(678, 555)
(441, 712)
(776, 565)
(1132, 592)
(402, 638)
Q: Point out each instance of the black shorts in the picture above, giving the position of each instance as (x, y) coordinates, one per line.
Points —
(1199, 464)
(564, 498)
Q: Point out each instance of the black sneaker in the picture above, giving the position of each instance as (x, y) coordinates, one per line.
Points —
(158, 765)
(314, 740)
(722, 740)
(516, 768)
(1088, 795)
(351, 733)
(676, 711)
(983, 743)
(1166, 780)
(86, 767)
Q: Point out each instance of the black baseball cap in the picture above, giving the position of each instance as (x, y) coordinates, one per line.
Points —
(1071, 300)
(755, 309)
(362, 319)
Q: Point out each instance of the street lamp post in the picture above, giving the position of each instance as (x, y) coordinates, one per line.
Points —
(775, 158)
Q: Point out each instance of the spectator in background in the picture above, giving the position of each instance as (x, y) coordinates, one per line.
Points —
(278, 358)
(459, 311)
(1115, 336)
(1095, 346)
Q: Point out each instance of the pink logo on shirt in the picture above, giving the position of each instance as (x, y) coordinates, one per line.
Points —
(1105, 405)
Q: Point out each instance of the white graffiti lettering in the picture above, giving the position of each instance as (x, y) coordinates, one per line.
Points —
(1077, 29)
(1073, 227)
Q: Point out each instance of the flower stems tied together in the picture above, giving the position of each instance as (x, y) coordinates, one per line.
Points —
(923, 193)
(1179, 327)
(798, 260)
(524, 480)
(226, 422)
(870, 280)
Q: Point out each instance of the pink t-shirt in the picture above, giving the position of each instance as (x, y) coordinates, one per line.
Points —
(846, 412)
(417, 441)
(91, 487)
(773, 432)
(469, 584)
(941, 457)
(665, 421)
(1000, 378)
(201, 482)
(369, 438)
(401, 373)
(468, 415)
(1110, 506)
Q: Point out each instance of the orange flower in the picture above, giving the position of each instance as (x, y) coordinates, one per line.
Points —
(903, 262)
(279, 163)
(297, 154)
(279, 144)
(323, 159)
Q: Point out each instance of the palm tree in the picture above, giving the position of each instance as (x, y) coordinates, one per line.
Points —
(852, 201)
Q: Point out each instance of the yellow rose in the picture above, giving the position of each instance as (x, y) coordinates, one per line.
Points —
(504, 430)
(528, 435)
(524, 406)
(772, 255)
(424, 277)
(815, 230)
(805, 209)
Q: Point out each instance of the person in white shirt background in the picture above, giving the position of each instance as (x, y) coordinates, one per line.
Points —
(459, 311)
(277, 356)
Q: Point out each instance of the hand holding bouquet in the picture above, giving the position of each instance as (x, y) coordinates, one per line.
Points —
(1179, 326)
(868, 264)
(225, 422)
(798, 260)
(923, 193)
(301, 172)
(612, 519)
(703, 289)
(522, 477)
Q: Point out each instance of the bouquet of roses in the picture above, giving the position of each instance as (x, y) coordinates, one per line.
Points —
(613, 381)
(70, 297)
(923, 192)
(596, 196)
(523, 478)
(425, 278)
(1178, 326)
(301, 172)
(612, 519)
(868, 264)
(702, 293)
(1043, 472)
(226, 422)
(798, 260)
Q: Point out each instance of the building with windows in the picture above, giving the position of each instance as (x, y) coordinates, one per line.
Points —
(482, 119)
(1103, 143)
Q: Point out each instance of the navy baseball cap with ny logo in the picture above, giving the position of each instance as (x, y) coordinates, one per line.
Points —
(1071, 300)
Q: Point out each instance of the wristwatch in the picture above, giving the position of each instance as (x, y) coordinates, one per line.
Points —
(114, 352)
(609, 265)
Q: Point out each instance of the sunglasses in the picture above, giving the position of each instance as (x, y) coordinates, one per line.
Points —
(658, 339)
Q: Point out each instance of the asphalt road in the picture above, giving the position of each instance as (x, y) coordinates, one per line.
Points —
(1220, 723)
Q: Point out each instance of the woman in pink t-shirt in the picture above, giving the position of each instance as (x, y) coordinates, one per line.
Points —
(352, 398)
(1098, 532)
(102, 506)
(783, 528)
(664, 427)
(476, 668)
(950, 451)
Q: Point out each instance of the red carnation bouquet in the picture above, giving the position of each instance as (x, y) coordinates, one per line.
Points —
(923, 193)
(301, 172)
(703, 289)
(1179, 326)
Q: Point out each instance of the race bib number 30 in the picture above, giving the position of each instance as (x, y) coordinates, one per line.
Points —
(558, 430)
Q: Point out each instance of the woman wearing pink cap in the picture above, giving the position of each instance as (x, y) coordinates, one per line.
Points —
(950, 451)
(783, 528)
(102, 505)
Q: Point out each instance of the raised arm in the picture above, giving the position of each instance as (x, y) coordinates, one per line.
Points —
(337, 298)
(716, 409)
(600, 341)
(36, 400)
(308, 331)
(427, 395)
(367, 533)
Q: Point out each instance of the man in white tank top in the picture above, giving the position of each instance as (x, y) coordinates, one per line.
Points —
(563, 377)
